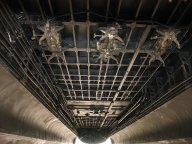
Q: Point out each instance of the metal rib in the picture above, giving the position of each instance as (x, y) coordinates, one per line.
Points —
(75, 42)
(142, 40)
(120, 64)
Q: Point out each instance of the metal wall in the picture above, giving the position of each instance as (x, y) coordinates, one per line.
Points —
(170, 123)
(23, 115)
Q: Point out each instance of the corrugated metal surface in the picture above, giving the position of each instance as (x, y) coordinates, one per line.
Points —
(23, 115)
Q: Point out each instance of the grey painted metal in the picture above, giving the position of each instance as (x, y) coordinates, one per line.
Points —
(18, 139)
(170, 122)
(23, 115)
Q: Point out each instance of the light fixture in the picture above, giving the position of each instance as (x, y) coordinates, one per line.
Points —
(108, 42)
(52, 36)
(78, 141)
(163, 41)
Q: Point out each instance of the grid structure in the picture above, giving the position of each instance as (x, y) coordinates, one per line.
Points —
(98, 94)
(80, 80)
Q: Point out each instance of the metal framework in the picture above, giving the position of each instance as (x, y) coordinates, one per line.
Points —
(83, 93)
